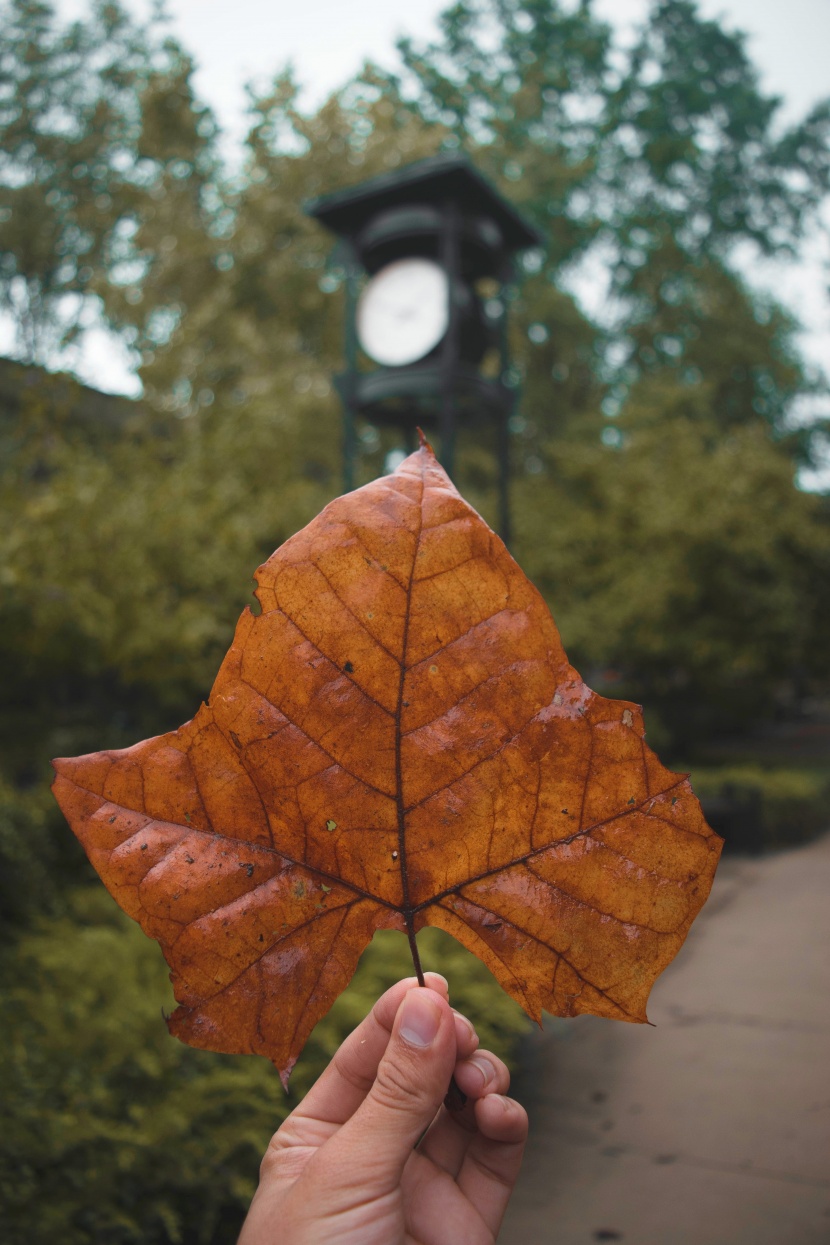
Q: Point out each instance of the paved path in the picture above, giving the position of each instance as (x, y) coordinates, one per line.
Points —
(714, 1127)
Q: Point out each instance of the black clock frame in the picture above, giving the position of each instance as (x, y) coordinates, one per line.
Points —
(443, 209)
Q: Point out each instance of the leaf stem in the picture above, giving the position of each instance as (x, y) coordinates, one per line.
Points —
(413, 947)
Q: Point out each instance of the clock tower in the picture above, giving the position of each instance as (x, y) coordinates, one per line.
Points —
(428, 256)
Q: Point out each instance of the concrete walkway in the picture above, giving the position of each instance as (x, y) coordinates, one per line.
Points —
(714, 1127)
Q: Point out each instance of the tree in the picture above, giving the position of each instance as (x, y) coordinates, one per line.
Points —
(652, 452)
(99, 132)
(647, 440)
(658, 162)
(237, 306)
(683, 567)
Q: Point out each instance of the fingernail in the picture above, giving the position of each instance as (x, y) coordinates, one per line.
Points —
(420, 1019)
(484, 1066)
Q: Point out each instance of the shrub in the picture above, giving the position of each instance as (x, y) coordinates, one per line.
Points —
(117, 1133)
(793, 805)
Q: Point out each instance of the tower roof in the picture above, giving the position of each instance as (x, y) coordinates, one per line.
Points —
(433, 180)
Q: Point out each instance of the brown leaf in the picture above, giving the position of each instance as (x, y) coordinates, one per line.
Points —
(397, 740)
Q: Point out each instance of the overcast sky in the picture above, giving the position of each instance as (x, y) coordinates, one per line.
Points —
(328, 40)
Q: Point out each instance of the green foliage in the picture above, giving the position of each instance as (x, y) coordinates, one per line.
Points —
(653, 452)
(700, 155)
(98, 132)
(129, 588)
(793, 802)
(684, 568)
(30, 838)
(114, 1131)
(657, 161)
(676, 551)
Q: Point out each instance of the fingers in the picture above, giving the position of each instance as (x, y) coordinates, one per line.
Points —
(482, 1073)
(494, 1157)
(449, 1137)
(466, 1038)
(341, 1089)
(410, 1084)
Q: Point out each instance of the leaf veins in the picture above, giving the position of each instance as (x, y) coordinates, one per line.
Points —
(395, 741)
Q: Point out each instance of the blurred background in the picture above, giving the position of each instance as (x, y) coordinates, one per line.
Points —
(170, 320)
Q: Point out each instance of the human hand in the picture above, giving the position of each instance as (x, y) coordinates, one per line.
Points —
(347, 1165)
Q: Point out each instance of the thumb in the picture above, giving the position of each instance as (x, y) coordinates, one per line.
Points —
(411, 1081)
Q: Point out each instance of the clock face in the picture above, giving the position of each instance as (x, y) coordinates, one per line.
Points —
(403, 312)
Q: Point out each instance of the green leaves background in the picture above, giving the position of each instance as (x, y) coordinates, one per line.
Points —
(655, 452)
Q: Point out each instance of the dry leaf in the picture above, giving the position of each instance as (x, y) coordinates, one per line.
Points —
(397, 740)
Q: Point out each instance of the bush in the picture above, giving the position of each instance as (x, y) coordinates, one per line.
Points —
(786, 806)
(117, 1133)
(30, 858)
